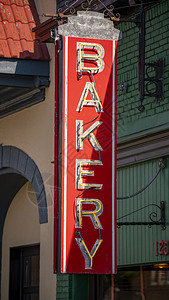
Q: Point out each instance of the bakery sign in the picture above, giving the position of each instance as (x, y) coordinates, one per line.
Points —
(86, 145)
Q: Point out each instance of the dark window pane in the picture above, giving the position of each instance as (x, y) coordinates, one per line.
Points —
(31, 270)
(35, 270)
(31, 297)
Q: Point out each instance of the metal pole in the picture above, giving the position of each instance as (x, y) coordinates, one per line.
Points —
(112, 287)
(141, 58)
(142, 283)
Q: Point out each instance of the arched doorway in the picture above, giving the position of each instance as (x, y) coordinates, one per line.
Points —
(17, 168)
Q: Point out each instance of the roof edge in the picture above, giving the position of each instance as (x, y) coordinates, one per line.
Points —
(24, 67)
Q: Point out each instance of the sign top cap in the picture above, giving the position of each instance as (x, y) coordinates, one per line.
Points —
(89, 24)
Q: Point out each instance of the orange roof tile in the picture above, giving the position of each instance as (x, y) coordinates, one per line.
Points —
(17, 18)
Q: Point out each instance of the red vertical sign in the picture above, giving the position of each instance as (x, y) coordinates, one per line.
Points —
(88, 209)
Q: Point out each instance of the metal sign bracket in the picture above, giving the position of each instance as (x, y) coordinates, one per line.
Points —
(152, 215)
(148, 85)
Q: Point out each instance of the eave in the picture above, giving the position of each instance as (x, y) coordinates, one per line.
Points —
(22, 84)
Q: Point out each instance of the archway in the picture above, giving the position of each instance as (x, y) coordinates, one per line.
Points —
(16, 168)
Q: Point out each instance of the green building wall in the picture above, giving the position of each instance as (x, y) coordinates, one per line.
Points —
(72, 287)
(130, 122)
(136, 244)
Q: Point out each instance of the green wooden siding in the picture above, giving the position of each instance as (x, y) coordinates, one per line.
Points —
(137, 244)
(131, 123)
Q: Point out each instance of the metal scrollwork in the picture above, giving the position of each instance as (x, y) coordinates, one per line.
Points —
(59, 11)
(89, 5)
(152, 216)
(92, 5)
(109, 12)
(70, 7)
